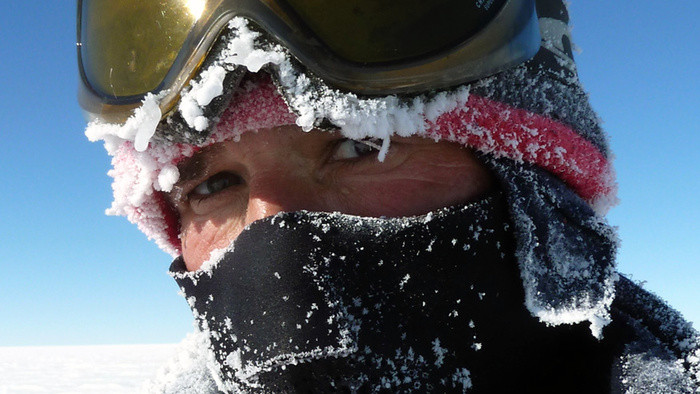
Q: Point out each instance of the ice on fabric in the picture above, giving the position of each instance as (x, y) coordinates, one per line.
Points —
(663, 322)
(202, 92)
(333, 264)
(646, 366)
(566, 280)
(139, 128)
(309, 312)
(189, 371)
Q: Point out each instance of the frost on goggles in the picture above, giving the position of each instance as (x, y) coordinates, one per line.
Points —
(128, 46)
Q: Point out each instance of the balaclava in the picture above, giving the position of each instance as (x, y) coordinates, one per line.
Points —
(531, 125)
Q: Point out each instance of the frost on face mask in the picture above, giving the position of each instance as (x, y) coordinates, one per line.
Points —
(290, 306)
(188, 370)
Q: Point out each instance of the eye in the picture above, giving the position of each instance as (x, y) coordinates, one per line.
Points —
(350, 149)
(217, 183)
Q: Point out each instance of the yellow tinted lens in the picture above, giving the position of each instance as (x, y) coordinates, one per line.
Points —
(372, 31)
(128, 46)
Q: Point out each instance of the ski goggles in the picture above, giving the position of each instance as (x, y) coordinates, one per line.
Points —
(129, 48)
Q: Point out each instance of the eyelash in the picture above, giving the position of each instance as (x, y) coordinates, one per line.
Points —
(222, 181)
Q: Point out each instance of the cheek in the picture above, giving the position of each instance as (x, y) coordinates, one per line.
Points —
(200, 238)
(421, 183)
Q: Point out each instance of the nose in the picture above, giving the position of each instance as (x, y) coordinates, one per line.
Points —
(279, 192)
(282, 179)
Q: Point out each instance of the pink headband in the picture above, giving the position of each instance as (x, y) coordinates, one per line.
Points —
(484, 125)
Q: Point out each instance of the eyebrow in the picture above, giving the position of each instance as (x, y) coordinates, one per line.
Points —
(197, 166)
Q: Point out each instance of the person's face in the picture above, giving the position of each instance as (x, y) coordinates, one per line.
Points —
(226, 186)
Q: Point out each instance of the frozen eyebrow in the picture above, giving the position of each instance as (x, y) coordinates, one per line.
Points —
(197, 166)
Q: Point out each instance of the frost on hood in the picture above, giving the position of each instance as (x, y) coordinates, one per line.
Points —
(145, 163)
(566, 253)
(662, 325)
(138, 129)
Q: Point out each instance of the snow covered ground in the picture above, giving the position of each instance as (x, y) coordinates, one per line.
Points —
(80, 369)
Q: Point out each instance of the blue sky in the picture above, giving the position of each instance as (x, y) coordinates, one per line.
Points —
(71, 275)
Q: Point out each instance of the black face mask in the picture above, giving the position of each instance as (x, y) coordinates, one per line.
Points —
(325, 302)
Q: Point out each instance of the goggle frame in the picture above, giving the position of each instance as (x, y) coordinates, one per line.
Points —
(511, 38)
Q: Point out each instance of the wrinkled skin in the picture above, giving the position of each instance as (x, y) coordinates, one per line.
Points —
(229, 185)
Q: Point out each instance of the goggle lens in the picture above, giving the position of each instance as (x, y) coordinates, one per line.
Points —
(128, 46)
(381, 31)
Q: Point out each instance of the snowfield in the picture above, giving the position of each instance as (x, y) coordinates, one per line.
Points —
(80, 369)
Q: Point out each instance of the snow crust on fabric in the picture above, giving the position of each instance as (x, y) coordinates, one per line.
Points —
(331, 327)
(289, 308)
(189, 371)
(566, 253)
(674, 340)
(650, 363)
(649, 367)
